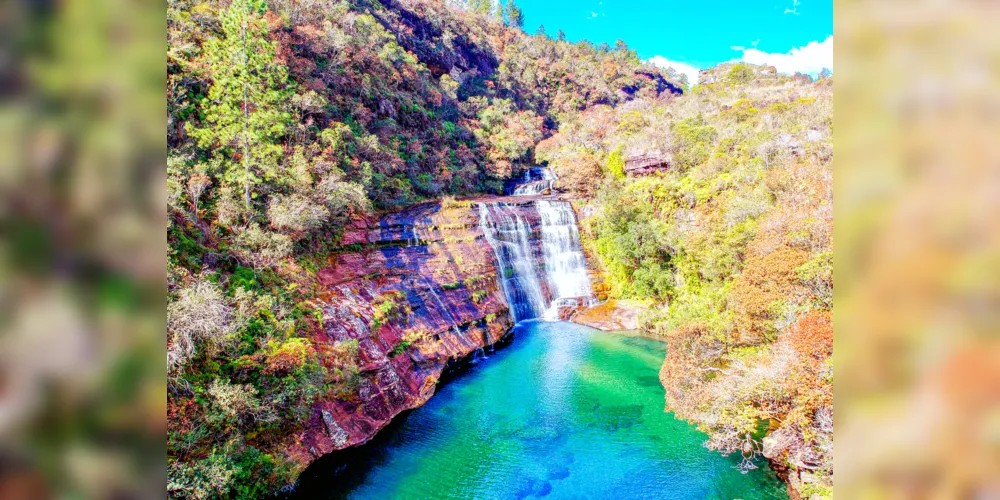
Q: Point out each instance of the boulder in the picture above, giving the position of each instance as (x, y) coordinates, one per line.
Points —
(789, 142)
(610, 316)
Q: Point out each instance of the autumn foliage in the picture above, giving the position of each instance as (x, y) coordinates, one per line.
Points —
(289, 121)
(730, 243)
(758, 297)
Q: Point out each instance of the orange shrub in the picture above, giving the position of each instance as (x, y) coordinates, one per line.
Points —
(757, 293)
(689, 349)
(580, 173)
(812, 336)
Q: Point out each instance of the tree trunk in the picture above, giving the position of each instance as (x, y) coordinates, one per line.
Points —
(246, 120)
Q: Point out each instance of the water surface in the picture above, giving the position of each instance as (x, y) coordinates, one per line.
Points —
(565, 412)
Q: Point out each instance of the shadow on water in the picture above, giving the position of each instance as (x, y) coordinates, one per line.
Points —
(563, 412)
(336, 474)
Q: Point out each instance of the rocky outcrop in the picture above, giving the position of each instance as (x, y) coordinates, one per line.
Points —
(568, 307)
(425, 39)
(413, 292)
(612, 315)
(646, 164)
(653, 79)
(793, 460)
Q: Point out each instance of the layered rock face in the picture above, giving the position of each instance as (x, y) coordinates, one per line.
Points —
(419, 290)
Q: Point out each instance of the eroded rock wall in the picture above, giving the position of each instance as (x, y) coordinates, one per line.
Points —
(416, 290)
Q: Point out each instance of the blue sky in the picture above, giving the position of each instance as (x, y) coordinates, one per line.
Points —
(698, 34)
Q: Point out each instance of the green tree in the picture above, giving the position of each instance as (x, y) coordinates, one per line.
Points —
(484, 7)
(685, 83)
(514, 15)
(740, 74)
(540, 31)
(561, 35)
(616, 163)
(243, 112)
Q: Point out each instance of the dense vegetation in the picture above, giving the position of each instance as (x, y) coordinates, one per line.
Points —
(730, 248)
(286, 121)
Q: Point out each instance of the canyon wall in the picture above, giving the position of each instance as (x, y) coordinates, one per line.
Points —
(415, 290)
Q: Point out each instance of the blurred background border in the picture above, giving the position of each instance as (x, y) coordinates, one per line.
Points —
(917, 266)
(82, 305)
(917, 189)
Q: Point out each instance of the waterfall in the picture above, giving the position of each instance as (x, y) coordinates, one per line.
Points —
(536, 181)
(565, 264)
(508, 235)
(532, 188)
(479, 354)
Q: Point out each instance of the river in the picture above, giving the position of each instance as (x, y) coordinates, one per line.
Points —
(565, 411)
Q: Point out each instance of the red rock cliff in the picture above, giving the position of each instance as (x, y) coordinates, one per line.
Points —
(420, 291)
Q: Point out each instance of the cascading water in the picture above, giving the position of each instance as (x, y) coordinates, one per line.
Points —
(536, 181)
(508, 235)
(479, 354)
(565, 264)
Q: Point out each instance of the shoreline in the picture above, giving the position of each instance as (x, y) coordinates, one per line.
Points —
(353, 462)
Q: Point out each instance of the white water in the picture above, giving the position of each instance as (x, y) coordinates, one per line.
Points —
(565, 265)
(508, 235)
(479, 354)
(532, 187)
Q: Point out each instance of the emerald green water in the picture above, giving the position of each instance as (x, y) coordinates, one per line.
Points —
(564, 412)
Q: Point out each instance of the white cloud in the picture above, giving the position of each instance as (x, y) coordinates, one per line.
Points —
(687, 69)
(794, 9)
(810, 59)
(593, 14)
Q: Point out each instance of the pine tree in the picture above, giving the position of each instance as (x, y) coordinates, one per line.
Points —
(561, 36)
(540, 31)
(243, 113)
(514, 15)
(483, 7)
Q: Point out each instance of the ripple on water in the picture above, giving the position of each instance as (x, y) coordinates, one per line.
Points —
(564, 412)
(613, 418)
(533, 487)
(557, 472)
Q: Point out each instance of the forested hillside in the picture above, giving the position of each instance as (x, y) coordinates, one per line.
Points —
(728, 247)
(290, 121)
